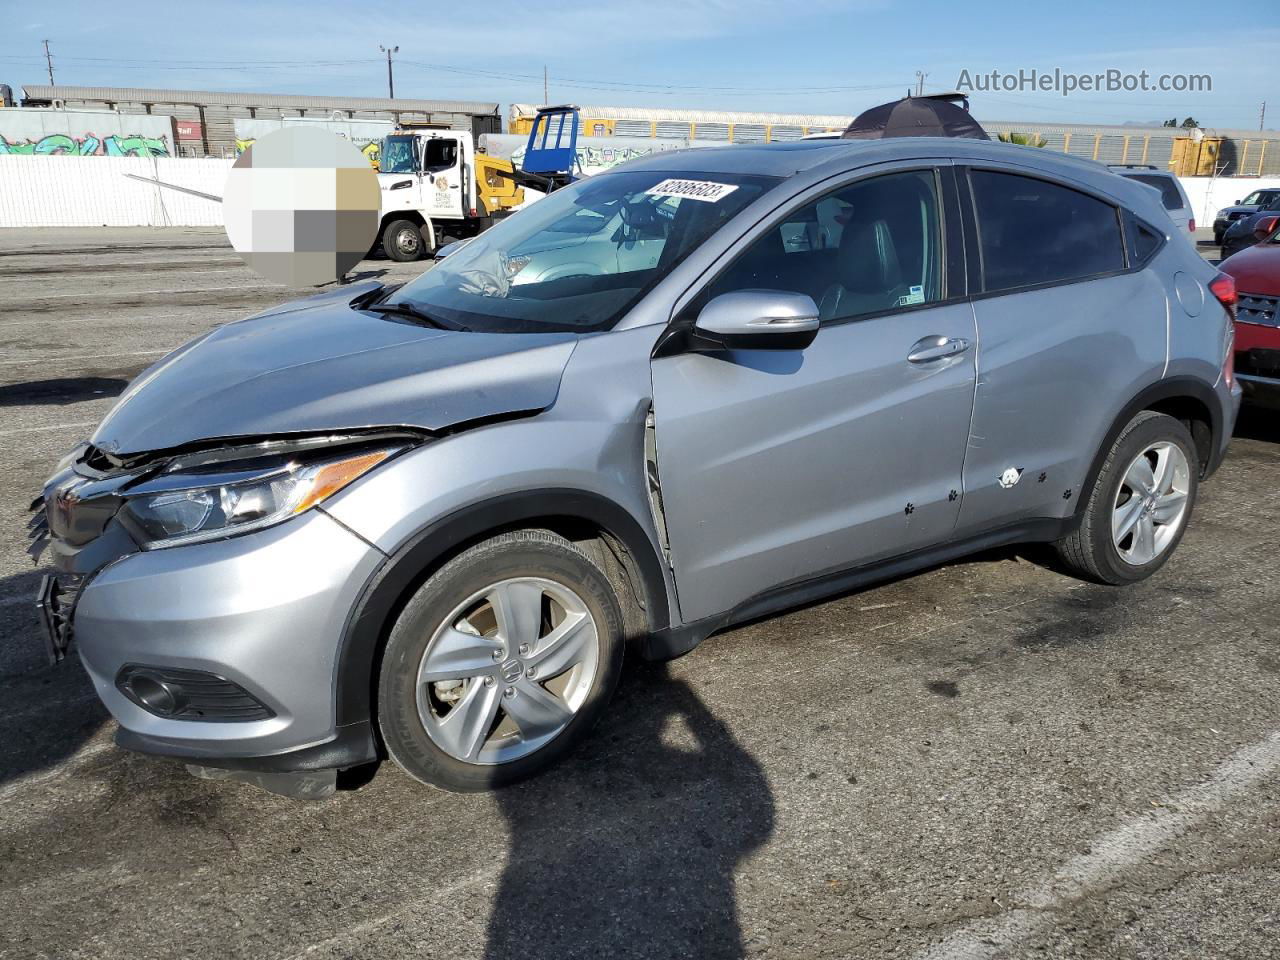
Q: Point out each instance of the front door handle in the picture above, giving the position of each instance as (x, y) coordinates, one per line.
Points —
(929, 349)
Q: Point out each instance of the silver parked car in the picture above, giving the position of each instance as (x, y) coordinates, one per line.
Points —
(425, 522)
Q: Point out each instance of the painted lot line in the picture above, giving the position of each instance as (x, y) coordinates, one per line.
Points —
(59, 357)
(49, 426)
(195, 312)
(139, 293)
(241, 270)
(1110, 857)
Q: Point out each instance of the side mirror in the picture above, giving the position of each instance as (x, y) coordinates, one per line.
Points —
(1265, 227)
(759, 320)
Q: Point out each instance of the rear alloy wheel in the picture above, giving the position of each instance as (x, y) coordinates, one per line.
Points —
(500, 662)
(402, 240)
(1151, 503)
(1138, 509)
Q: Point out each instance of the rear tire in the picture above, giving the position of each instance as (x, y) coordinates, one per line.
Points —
(402, 240)
(466, 642)
(1137, 510)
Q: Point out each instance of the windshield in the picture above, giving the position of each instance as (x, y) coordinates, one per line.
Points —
(1258, 197)
(581, 258)
(396, 155)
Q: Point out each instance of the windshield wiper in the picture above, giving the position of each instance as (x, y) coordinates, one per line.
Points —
(414, 313)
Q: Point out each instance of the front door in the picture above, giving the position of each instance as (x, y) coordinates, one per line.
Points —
(442, 187)
(779, 466)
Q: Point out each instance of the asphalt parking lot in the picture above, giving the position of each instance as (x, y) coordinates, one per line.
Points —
(989, 759)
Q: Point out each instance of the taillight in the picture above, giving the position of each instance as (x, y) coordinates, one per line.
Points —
(1191, 224)
(1223, 287)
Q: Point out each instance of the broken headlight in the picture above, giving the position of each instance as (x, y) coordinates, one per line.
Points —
(179, 506)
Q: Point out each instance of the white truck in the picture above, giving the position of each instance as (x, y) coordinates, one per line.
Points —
(435, 185)
(439, 183)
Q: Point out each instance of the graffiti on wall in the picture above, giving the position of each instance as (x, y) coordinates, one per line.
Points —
(370, 148)
(591, 159)
(88, 145)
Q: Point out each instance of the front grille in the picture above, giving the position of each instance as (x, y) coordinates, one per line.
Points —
(1256, 308)
(57, 606)
(196, 695)
(37, 530)
(1259, 362)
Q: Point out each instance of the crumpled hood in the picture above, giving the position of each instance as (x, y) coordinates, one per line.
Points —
(319, 365)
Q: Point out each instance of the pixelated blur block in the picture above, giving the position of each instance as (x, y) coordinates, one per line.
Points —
(301, 206)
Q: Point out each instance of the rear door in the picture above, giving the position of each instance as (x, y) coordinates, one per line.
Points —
(1069, 333)
(781, 465)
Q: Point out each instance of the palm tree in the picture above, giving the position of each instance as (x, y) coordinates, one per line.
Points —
(1023, 139)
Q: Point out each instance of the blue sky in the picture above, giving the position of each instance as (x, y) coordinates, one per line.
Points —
(812, 56)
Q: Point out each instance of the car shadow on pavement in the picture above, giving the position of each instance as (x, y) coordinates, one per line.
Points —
(630, 848)
(47, 713)
(1257, 423)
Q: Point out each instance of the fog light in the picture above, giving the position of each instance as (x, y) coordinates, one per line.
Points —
(177, 693)
(151, 693)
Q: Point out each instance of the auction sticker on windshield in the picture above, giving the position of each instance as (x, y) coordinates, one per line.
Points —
(704, 190)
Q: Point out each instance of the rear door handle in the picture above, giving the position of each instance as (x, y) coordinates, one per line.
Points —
(929, 349)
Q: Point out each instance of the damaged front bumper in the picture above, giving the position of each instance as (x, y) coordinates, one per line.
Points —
(222, 653)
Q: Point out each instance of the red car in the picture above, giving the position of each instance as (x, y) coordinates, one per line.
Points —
(1256, 272)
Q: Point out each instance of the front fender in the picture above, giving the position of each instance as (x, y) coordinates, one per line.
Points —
(394, 582)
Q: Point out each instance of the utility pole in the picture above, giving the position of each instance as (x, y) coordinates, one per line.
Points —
(1262, 117)
(391, 86)
(48, 59)
(920, 75)
(546, 98)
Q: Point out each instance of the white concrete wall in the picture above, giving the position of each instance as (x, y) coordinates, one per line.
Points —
(64, 191)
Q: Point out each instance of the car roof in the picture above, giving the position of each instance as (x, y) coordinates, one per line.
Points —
(815, 160)
(1141, 172)
(834, 156)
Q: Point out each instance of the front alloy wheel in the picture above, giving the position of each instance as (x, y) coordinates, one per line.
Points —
(507, 670)
(500, 662)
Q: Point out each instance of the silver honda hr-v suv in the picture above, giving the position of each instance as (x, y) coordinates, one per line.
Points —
(425, 522)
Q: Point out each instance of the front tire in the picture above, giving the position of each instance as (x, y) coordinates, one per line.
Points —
(402, 240)
(500, 663)
(1138, 508)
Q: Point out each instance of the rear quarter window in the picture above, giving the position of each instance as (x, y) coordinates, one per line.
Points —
(1033, 232)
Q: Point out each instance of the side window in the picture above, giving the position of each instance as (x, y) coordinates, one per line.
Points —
(869, 247)
(439, 154)
(1031, 231)
(1144, 241)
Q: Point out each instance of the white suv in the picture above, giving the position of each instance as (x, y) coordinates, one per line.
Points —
(1172, 195)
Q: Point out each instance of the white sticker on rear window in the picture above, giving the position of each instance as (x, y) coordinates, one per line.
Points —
(704, 190)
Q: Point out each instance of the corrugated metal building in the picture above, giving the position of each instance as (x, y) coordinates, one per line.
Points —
(206, 119)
